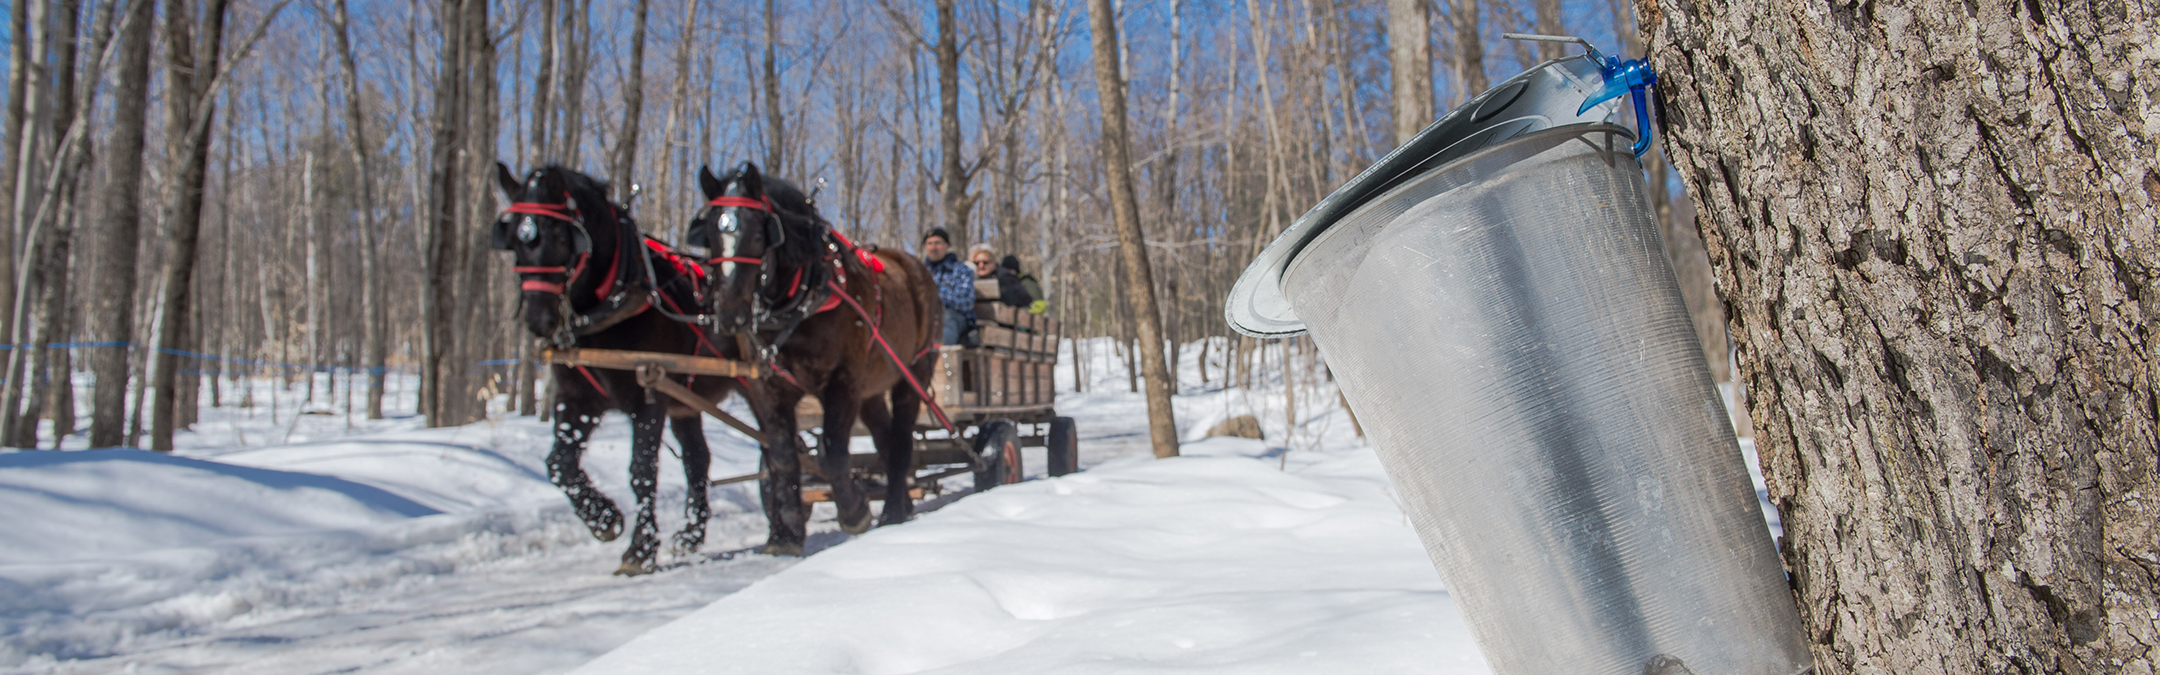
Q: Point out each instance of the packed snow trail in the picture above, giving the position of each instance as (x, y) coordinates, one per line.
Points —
(1217, 561)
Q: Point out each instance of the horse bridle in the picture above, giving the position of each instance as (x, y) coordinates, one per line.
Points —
(528, 230)
(571, 323)
(799, 305)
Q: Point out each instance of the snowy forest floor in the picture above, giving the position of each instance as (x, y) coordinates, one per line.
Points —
(315, 543)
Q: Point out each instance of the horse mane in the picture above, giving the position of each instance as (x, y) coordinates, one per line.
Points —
(805, 228)
(589, 194)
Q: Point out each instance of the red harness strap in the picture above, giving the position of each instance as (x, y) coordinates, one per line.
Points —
(541, 285)
(562, 211)
(762, 203)
(594, 380)
(565, 212)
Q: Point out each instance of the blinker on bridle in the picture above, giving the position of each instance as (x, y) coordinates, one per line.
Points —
(728, 222)
(529, 229)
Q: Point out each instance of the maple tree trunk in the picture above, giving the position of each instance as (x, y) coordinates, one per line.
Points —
(1125, 210)
(1934, 224)
(1409, 34)
(112, 318)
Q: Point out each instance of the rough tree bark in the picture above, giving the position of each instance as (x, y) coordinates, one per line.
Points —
(633, 99)
(478, 330)
(954, 176)
(543, 85)
(440, 376)
(113, 318)
(1469, 52)
(775, 120)
(1125, 210)
(1409, 36)
(1549, 22)
(191, 98)
(1935, 224)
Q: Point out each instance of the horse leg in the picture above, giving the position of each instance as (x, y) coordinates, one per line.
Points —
(645, 427)
(780, 491)
(896, 445)
(840, 404)
(574, 422)
(697, 473)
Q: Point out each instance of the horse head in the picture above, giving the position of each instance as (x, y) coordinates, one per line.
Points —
(745, 229)
(563, 233)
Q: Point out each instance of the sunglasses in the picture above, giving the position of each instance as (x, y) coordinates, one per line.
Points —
(982, 263)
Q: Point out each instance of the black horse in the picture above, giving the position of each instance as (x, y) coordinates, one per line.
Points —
(590, 279)
(834, 321)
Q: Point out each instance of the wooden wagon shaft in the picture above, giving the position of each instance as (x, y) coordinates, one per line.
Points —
(824, 494)
(717, 482)
(655, 378)
(624, 360)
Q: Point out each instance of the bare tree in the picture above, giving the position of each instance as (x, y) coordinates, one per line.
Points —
(113, 320)
(953, 174)
(1469, 51)
(441, 378)
(1125, 210)
(633, 97)
(376, 343)
(190, 103)
(1549, 22)
(776, 158)
(1944, 333)
(1409, 32)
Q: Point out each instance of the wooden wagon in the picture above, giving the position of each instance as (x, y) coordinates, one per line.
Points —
(1000, 396)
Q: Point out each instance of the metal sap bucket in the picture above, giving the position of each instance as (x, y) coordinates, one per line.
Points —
(1495, 300)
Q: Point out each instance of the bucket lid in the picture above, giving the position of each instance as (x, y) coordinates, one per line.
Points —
(1541, 98)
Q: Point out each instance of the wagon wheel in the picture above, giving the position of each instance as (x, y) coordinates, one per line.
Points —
(997, 442)
(1064, 446)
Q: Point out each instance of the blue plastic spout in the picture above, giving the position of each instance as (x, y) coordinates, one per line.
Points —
(1634, 78)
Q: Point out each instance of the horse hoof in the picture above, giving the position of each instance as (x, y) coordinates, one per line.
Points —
(893, 519)
(606, 531)
(634, 568)
(604, 521)
(858, 525)
(687, 542)
(782, 549)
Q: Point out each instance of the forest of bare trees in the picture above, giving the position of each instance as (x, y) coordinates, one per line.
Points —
(205, 190)
(1934, 222)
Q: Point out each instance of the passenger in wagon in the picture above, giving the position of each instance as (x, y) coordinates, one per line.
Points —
(1008, 281)
(1027, 282)
(956, 287)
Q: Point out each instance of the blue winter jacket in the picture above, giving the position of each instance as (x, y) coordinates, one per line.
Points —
(955, 284)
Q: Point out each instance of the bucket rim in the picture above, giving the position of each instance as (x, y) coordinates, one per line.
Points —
(1543, 98)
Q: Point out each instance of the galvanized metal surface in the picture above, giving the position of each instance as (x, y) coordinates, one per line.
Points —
(1510, 332)
(1496, 303)
(1542, 98)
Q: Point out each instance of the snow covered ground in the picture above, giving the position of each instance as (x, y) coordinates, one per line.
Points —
(283, 543)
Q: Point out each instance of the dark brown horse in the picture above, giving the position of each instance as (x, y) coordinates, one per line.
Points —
(835, 323)
(589, 279)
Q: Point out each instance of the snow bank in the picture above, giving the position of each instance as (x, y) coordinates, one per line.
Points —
(368, 545)
(73, 505)
(1218, 561)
